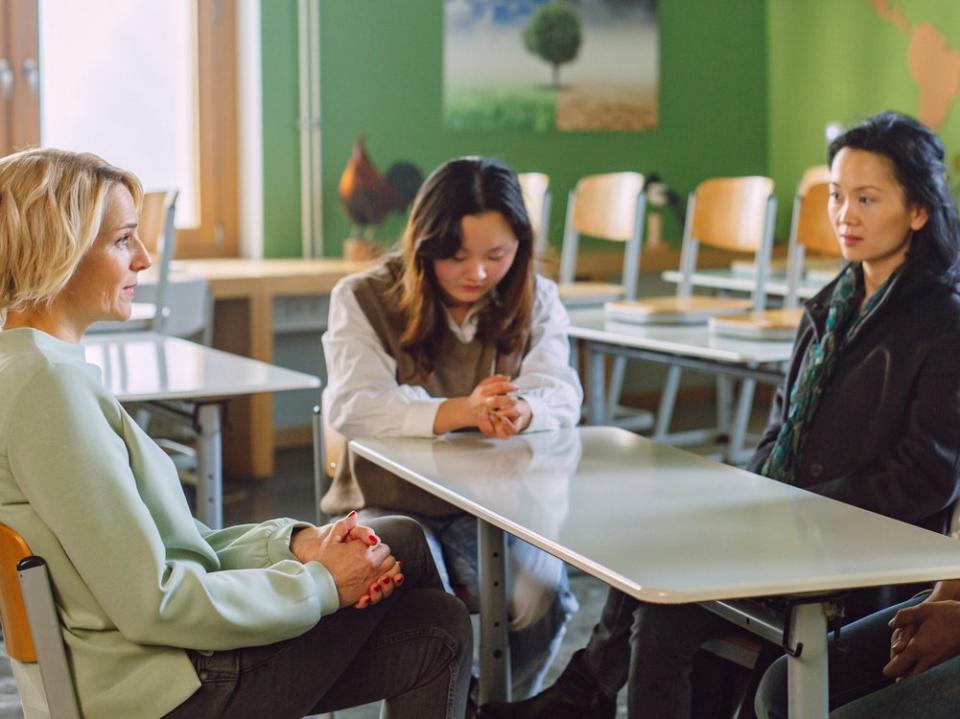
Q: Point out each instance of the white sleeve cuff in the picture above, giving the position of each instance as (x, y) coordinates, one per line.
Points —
(541, 418)
(419, 417)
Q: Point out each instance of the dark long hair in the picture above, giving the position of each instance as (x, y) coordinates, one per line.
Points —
(917, 156)
(461, 187)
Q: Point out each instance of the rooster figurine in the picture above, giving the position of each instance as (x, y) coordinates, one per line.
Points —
(368, 197)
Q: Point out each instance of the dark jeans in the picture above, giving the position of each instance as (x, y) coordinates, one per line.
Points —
(653, 646)
(413, 649)
(539, 602)
(857, 684)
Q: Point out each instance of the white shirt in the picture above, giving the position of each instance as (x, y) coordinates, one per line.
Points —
(364, 399)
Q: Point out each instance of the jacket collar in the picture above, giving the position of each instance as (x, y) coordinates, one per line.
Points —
(910, 279)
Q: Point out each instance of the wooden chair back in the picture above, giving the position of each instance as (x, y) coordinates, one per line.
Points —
(606, 205)
(536, 192)
(814, 230)
(31, 628)
(730, 212)
(159, 236)
(13, 610)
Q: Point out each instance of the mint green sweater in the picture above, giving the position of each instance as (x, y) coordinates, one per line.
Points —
(136, 578)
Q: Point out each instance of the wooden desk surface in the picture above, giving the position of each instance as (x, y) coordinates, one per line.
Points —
(239, 277)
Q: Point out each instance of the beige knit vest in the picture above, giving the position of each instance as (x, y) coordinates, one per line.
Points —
(460, 366)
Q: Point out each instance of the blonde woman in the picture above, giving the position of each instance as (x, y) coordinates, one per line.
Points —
(162, 616)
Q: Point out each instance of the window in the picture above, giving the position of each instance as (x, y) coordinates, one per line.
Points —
(149, 85)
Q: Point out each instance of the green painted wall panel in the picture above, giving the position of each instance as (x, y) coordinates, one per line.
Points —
(381, 74)
(833, 60)
(281, 141)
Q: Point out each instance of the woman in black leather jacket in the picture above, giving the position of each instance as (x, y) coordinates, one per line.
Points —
(869, 413)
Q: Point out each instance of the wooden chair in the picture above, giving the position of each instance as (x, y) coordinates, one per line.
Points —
(607, 207)
(810, 230)
(159, 235)
(730, 213)
(31, 630)
(537, 198)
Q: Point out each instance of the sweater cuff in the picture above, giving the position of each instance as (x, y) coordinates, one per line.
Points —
(329, 596)
(540, 419)
(420, 415)
(278, 547)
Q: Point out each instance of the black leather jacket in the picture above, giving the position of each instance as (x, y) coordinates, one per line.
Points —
(886, 433)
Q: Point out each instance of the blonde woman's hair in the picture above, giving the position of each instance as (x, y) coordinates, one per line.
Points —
(51, 208)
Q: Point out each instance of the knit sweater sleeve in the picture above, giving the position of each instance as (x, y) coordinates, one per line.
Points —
(131, 537)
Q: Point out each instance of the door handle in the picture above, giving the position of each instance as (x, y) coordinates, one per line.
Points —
(32, 75)
(6, 78)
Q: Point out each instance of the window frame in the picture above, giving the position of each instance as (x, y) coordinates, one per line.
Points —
(215, 93)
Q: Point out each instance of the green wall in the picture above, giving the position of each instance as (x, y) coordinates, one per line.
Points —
(281, 139)
(837, 60)
(381, 74)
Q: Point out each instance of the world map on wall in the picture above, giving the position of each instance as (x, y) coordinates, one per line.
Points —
(934, 66)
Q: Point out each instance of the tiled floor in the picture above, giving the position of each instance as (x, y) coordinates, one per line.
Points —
(290, 493)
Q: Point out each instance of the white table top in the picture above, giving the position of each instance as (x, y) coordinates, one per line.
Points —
(662, 524)
(687, 340)
(140, 366)
(728, 280)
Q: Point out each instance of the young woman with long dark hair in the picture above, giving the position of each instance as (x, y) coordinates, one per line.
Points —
(456, 332)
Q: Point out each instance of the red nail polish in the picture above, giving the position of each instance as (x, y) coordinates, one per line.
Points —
(352, 514)
(372, 539)
(375, 588)
(398, 580)
(385, 581)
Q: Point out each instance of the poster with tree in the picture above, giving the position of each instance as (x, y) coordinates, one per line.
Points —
(545, 65)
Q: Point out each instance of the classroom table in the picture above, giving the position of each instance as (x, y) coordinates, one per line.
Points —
(668, 527)
(188, 383)
(686, 346)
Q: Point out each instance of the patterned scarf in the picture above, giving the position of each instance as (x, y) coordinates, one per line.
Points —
(843, 322)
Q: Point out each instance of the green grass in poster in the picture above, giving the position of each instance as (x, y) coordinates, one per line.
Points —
(500, 109)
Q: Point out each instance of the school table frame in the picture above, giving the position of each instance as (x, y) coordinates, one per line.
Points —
(725, 280)
(188, 383)
(691, 347)
(668, 527)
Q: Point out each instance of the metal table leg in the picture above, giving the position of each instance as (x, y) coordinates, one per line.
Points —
(494, 642)
(741, 422)
(807, 674)
(209, 466)
(598, 400)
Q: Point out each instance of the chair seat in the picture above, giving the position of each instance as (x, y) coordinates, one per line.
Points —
(588, 294)
(768, 325)
(673, 309)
